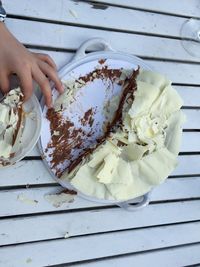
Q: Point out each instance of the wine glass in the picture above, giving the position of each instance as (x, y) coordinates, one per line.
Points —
(190, 36)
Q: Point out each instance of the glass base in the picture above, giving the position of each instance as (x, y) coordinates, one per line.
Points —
(190, 35)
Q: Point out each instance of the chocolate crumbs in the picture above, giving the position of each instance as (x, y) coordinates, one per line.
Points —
(68, 191)
(102, 61)
(88, 118)
(67, 139)
(103, 73)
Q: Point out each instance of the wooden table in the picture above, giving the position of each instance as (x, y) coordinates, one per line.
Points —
(167, 232)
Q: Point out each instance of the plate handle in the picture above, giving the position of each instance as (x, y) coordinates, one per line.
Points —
(97, 42)
(143, 203)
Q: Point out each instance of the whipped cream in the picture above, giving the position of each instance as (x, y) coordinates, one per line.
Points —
(11, 118)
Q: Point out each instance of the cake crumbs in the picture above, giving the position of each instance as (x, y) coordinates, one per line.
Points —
(60, 198)
(23, 198)
(28, 260)
(66, 235)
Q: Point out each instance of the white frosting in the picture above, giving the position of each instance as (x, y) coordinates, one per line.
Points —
(70, 89)
(8, 122)
(151, 135)
(26, 200)
(58, 200)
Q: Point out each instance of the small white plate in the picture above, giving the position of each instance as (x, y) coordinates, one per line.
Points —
(31, 131)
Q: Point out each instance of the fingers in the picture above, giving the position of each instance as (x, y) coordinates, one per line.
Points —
(26, 83)
(46, 58)
(4, 83)
(44, 84)
(52, 74)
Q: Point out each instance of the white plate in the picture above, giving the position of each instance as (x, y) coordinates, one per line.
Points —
(31, 131)
(93, 95)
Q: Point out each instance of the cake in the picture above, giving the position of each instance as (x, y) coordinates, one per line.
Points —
(11, 125)
(140, 144)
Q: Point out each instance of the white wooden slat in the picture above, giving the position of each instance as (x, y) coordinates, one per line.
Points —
(10, 197)
(187, 165)
(192, 119)
(71, 37)
(104, 245)
(186, 8)
(71, 12)
(178, 72)
(172, 189)
(177, 189)
(24, 173)
(190, 95)
(91, 222)
(176, 256)
(190, 142)
(20, 173)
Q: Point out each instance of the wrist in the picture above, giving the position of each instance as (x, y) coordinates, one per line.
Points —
(5, 35)
(2, 27)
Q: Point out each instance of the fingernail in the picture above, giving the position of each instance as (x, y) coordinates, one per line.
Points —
(62, 88)
(49, 105)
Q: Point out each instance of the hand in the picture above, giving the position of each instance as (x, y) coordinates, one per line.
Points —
(15, 58)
